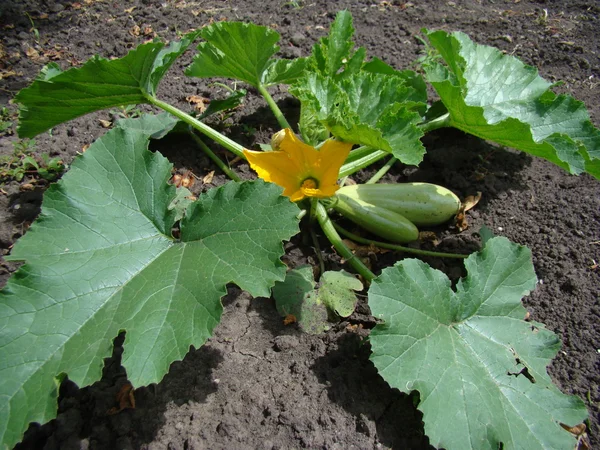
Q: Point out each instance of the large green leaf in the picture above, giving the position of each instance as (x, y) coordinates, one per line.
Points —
(373, 109)
(56, 97)
(479, 367)
(497, 97)
(243, 51)
(101, 259)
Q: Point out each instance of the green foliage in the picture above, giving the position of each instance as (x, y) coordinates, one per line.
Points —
(497, 97)
(372, 109)
(243, 51)
(101, 259)
(479, 367)
(366, 103)
(310, 304)
(6, 122)
(56, 97)
(22, 161)
(336, 292)
(233, 100)
(331, 57)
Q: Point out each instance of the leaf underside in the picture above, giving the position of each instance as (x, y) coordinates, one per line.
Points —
(100, 259)
(479, 367)
(496, 97)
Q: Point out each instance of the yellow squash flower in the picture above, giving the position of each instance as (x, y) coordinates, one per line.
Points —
(300, 169)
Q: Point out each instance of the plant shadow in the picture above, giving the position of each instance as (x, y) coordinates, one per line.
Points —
(93, 413)
(353, 383)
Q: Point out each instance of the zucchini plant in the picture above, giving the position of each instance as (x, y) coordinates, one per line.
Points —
(103, 257)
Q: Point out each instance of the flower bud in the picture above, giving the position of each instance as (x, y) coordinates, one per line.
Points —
(276, 140)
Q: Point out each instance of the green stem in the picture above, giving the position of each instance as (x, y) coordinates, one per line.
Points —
(230, 145)
(338, 244)
(438, 122)
(214, 158)
(415, 251)
(317, 250)
(276, 111)
(361, 163)
(314, 202)
(358, 153)
(381, 172)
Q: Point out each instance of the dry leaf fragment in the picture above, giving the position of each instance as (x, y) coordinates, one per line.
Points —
(124, 398)
(148, 31)
(186, 180)
(198, 102)
(129, 10)
(579, 431)
(428, 236)
(8, 73)
(208, 177)
(354, 328)
(135, 31)
(32, 53)
(289, 319)
(461, 218)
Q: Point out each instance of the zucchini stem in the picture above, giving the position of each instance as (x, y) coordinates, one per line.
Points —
(335, 239)
(229, 144)
(371, 156)
(213, 157)
(389, 246)
(438, 122)
(381, 172)
(283, 123)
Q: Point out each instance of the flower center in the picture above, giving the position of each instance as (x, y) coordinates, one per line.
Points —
(310, 183)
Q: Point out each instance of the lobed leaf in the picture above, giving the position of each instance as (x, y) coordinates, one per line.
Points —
(299, 296)
(479, 367)
(56, 97)
(332, 52)
(100, 259)
(336, 292)
(243, 51)
(372, 109)
(497, 97)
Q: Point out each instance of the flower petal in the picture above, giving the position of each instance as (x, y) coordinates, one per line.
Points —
(333, 155)
(276, 167)
(304, 155)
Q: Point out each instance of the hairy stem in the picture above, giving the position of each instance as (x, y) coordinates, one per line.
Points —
(362, 162)
(438, 122)
(230, 145)
(214, 158)
(283, 123)
(415, 251)
(338, 244)
(381, 172)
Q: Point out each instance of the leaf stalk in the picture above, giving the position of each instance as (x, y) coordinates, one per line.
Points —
(283, 123)
(337, 242)
(229, 144)
(400, 248)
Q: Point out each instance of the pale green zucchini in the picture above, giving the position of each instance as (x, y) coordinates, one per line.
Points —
(379, 221)
(424, 204)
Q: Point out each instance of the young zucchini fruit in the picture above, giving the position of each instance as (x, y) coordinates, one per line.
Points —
(380, 221)
(424, 204)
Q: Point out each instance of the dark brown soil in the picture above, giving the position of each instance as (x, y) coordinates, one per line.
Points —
(258, 383)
